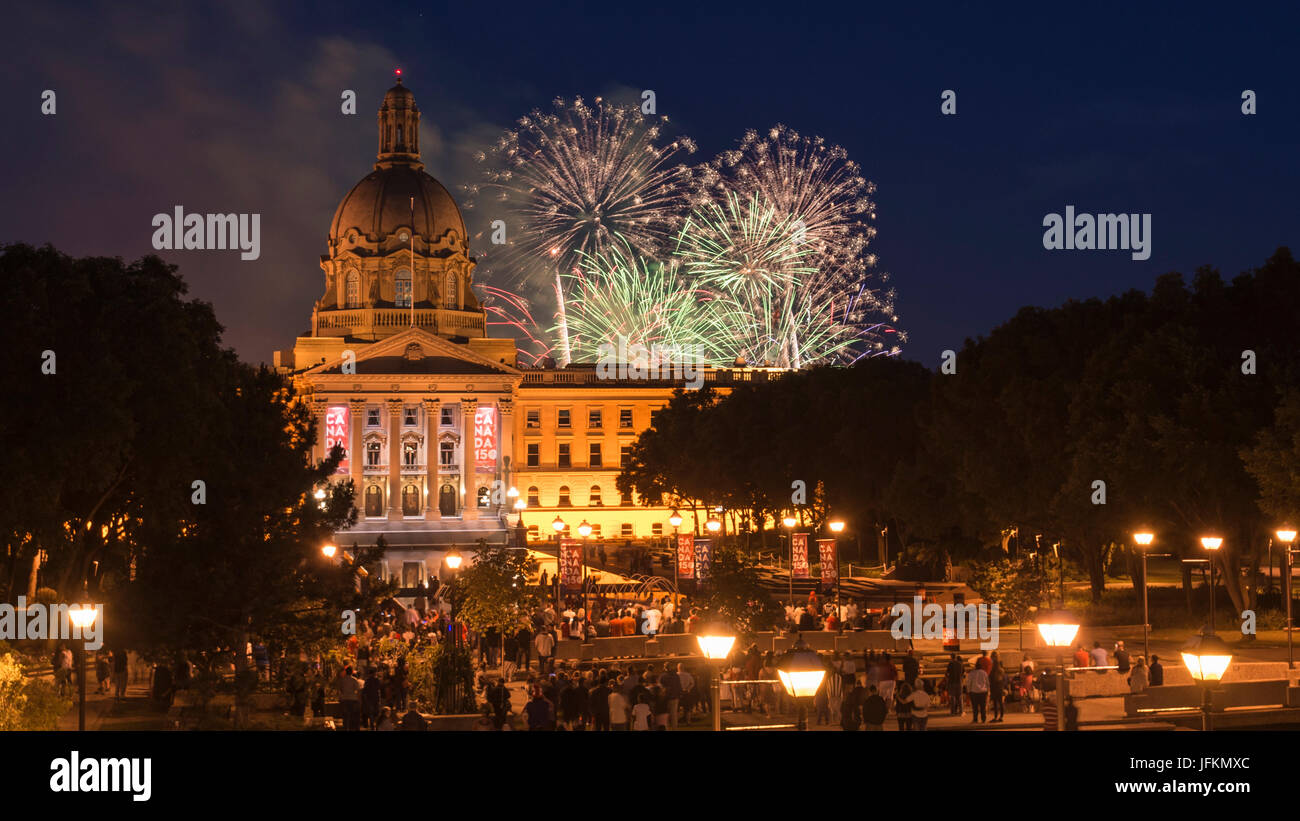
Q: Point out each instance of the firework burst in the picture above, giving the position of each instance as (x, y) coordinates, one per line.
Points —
(581, 180)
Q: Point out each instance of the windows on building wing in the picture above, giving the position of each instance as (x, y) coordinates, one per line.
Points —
(595, 531)
(446, 454)
(533, 499)
(624, 455)
(533, 532)
(595, 418)
(409, 416)
(624, 498)
(564, 455)
(593, 455)
(372, 454)
(372, 417)
(410, 453)
(450, 292)
(534, 454)
(594, 499)
(625, 417)
(657, 528)
(626, 531)
(564, 497)
(534, 419)
(562, 418)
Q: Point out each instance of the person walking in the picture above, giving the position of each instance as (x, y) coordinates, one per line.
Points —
(977, 687)
(617, 709)
(1156, 675)
(545, 645)
(874, 711)
(540, 712)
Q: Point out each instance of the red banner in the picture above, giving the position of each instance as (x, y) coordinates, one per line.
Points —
(703, 558)
(570, 564)
(337, 421)
(686, 555)
(485, 439)
(799, 554)
(830, 562)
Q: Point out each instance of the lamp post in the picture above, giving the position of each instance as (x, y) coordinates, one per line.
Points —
(790, 522)
(584, 530)
(558, 527)
(1211, 543)
(1058, 629)
(1144, 540)
(1206, 657)
(837, 527)
(675, 519)
(82, 618)
(453, 561)
(328, 550)
(801, 672)
(1286, 536)
(715, 641)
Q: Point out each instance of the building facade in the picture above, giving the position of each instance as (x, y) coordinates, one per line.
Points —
(448, 439)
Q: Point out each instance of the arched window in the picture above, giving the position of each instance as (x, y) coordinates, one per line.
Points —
(403, 292)
(534, 499)
(410, 501)
(353, 290)
(564, 497)
(484, 495)
(374, 501)
(410, 452)
(595, 496)
(450, 293)
(372, 454)
(400, 145)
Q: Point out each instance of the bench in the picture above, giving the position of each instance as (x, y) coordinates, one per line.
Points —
(1223, 695)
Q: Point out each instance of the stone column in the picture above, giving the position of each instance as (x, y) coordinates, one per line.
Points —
(394, 459)
(470, 480)
(357, 454)
(505, 451)
(432, 418)
(318, 410)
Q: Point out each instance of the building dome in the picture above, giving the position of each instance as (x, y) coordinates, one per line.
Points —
(381, 203)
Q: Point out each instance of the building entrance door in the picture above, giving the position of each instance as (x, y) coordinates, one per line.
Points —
(447, 500)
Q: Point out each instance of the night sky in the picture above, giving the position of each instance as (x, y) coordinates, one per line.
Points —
(235, 108)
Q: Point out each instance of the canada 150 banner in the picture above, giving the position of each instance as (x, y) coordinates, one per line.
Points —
(799, 554)
(830, 563)
(485, 439)
(570, 564)
(703, 558)
(336, 433)
(685, 555)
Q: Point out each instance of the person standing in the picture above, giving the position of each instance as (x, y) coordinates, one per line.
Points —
(524, 646)
(349, 687)
(911, 668)
(545, 646)
(671, 681)
(921, 706)
(888, 678)
(1156, 675)
(370, 697)
(903, 707)
(598, 703)
(1137, 680)
(540, 712)
(873, 711)
(977, 687)
(617, 709)
(953, 676)
(120, 666)
(997, 688)
(851, 709)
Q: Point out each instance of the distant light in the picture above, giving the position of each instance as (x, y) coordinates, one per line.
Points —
(1211, 542)
(558, 524)
(675, 519)
(584, 529)
(453, 559)
(1286, 535)
(83, 616)
(836, 526)
(1144, 538)
(1206, 657)
(713, 524)
(329, 550)
(320, 493)
(789, 521)
(1058, 628)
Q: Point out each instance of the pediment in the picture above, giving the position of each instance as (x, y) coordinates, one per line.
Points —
(416, 351)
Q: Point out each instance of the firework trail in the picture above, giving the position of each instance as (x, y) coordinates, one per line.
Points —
(581, 180)
(511, 311)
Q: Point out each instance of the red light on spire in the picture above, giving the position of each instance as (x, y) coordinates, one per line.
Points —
(398, 72)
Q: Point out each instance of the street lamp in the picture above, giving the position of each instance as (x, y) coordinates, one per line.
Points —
(1211, 543)
(715, 642)
(1286, 535)
(675, 519)
(1144, 540)
(789, 522)
(82, 618)
(328, 550)
(453, 561)
(1058, 629)
(320, 497)
(837, 527)
(714, 524)
(801, 672)
(584, 530)
(1206, 657)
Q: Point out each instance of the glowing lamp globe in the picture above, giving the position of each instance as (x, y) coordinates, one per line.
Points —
(584, 529)
(1144, 539)
(836, 526)
(453, 559)
(1211, 542)
(320, 493)
(789, 521)
(512, 492)
(1057, 628)
(675, 519)
(1206, 657)
(329, 550)
(558, 524)
(1286, 535)
(713, 524)
(83, 616)
(801, 672)
(715, 641)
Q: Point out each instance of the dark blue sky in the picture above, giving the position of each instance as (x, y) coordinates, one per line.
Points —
(235, 108)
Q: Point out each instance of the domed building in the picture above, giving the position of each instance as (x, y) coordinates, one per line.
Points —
(399, 371)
